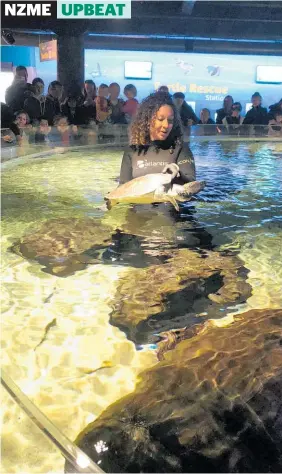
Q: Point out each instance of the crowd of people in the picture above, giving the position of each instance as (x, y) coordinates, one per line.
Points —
(57, 115)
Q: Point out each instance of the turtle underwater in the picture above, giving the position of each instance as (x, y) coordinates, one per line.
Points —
(155, 187)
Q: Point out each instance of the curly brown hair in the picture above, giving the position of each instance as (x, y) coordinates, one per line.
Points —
(139, 133)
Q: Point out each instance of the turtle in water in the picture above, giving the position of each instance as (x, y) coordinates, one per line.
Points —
(155, 187)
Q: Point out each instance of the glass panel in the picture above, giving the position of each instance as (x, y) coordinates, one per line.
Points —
(36, 141)
(24, 446)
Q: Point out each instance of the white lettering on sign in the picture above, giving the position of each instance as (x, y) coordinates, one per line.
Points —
(23, 9)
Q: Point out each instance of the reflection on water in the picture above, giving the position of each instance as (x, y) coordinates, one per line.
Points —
(61, 335)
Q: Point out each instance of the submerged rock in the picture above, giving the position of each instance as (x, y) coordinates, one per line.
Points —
(160, 297)
(64, 246)
(213, 405)
(59, 245)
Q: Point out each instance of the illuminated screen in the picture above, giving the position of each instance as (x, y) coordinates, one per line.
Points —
(269, 74)
(193, 105)
(6, 80)
(138, 70)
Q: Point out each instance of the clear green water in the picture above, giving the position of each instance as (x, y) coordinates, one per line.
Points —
(83, 363)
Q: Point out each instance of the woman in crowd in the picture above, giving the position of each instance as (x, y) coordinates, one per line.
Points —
(53, 101)
(116, 104)
(131, 105)
(35, 104)
(225, 110)
(89, 92)
(103, 110)
(155, 141)
(89, 96)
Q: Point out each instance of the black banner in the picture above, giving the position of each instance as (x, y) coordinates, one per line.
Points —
(21, 14)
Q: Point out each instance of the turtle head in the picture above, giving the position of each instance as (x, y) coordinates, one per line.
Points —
(194, 187)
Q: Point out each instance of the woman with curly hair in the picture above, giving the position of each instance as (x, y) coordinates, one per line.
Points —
(155, 142)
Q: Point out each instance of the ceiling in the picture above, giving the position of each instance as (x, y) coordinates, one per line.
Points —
(187, 25)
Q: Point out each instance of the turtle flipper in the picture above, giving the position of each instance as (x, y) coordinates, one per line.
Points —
(173, 202)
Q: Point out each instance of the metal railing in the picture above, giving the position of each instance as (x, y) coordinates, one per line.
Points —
(75, 456)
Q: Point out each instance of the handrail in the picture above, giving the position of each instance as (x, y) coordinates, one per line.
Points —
(81, 462)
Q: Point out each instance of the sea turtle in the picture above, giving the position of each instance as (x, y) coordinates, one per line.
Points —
(155, 187)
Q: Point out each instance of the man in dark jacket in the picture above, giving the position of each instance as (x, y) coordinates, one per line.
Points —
(187, 114)
(257, 115)
(17, 92)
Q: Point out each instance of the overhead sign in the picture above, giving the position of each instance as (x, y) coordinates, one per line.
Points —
(48, 51)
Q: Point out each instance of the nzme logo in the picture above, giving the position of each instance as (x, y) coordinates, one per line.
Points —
(28, 9)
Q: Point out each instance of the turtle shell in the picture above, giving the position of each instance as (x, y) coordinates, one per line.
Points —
(140, 186)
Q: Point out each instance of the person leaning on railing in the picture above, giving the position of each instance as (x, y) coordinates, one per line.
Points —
(257, 115)
(234, 120)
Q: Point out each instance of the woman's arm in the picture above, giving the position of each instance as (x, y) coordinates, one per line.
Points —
(126, 168)
(186, 164)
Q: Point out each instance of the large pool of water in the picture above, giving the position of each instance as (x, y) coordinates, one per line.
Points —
(89, 295)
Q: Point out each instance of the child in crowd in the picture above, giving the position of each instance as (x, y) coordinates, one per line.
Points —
(42, 132)
(23, 122)
(205, 119)
(63, 133)
(131, 105)
(103, 110)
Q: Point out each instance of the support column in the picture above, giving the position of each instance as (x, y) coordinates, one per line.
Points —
(70, 60)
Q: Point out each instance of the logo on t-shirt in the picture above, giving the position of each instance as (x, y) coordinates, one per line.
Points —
(146, 164)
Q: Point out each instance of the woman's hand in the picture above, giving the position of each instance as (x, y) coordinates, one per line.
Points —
(172, 168)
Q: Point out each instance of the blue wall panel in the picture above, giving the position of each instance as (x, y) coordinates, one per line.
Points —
(18, 55)
(204, 78)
